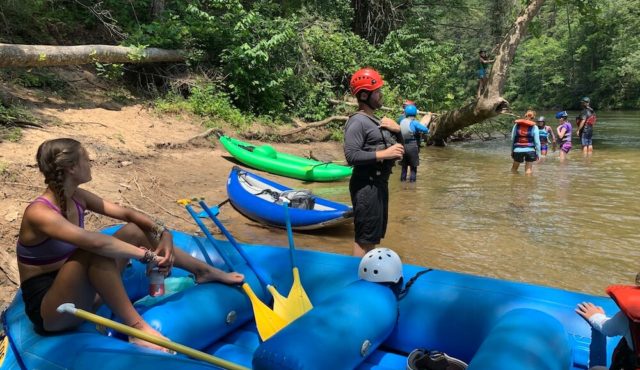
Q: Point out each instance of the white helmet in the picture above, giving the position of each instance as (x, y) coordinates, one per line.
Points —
(380, 265)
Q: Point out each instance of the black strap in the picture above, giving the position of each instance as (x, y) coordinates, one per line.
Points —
(274, 194)
(404, 291)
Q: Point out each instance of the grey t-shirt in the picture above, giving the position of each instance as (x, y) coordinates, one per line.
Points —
(362, 138)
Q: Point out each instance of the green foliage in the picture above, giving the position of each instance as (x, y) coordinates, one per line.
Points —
(13, 134)
(207, 101)
(38, 79)
(423, 70)
(276, 59)
(110, 71)
(8, 131)
(536, 79)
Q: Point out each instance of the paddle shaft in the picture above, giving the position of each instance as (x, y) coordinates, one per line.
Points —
(210, 238)
(133, 332)
(267, 321)
(287, 220)
(233, 242)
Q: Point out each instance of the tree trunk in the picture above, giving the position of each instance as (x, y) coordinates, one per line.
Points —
(491, 103)
(157, 7)
(13, 55)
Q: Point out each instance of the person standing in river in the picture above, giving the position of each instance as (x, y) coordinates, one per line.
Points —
(564, 134)
(411, 130)
(371, 146)
(585, 123)
(543, 133)
(525, 139)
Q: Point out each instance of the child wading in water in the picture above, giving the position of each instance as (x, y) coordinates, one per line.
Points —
(564, 134)
(543, 133)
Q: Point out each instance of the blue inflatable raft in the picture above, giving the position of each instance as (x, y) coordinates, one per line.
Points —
(257, 198)
(490, 324)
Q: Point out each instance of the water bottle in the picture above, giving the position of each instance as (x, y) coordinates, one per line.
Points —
(156, 282)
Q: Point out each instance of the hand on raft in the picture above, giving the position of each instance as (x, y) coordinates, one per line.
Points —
(588, 309)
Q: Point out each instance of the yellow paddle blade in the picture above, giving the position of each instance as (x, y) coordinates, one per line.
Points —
(298, 298)
(280, 304)
(267, 321)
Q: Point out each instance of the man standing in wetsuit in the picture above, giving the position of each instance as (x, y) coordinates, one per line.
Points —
(585, 123)
(371, 146)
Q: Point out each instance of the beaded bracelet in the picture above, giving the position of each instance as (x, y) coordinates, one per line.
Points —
(149, 256)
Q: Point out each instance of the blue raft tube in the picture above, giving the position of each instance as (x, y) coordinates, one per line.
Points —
(490, 324)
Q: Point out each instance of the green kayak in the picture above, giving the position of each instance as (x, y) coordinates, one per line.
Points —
(266, 158)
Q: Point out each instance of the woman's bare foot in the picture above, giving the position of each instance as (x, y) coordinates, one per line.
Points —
(143, 326)
(231, 278)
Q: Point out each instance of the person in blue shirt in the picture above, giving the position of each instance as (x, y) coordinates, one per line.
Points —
(525, 139)
(545, 131)
(411, 129)
(404, 105)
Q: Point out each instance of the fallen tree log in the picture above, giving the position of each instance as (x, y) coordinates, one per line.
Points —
(15, 55)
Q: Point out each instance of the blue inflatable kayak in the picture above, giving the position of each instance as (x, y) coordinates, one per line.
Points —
(490, 324)
(260, 199)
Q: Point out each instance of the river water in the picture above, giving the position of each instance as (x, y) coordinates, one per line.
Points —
(573, 225)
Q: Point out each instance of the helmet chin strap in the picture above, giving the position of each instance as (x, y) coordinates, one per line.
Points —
(368, 101)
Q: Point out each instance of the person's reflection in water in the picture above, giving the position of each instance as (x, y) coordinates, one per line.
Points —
(520, 195)
(563, 183)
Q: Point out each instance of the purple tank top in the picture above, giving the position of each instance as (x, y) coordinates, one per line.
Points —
(50, 250)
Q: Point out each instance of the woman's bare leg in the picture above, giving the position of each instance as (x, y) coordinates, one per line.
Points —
(78, 281)
(203, 273)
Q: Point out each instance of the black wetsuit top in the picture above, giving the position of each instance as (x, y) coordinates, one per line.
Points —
(362, 138)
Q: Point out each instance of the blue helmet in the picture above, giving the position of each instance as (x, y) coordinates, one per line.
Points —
(562, 114)
(410, 111)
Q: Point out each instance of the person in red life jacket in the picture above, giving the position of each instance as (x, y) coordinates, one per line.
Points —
(564, 134)
(411, 130)
(525, 139)
(371, 146)
(585, 122)
(625, 323)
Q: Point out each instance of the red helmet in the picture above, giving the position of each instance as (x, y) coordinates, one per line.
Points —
(407, 103)
(366, 79)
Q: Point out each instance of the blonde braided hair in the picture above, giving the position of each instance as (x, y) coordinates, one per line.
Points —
(54, 157)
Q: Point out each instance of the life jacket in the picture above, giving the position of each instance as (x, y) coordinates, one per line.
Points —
(543, 134)
(524, 134)
(627, 297)
(567, 134)
(405, 130)
(590, 116)
(386, 139)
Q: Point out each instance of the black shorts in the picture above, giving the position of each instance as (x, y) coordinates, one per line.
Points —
(411, 155)
(524, 156)
(33, 291)
(370, 198)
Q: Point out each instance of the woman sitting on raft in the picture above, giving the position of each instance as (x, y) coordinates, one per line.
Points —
(59, 261)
